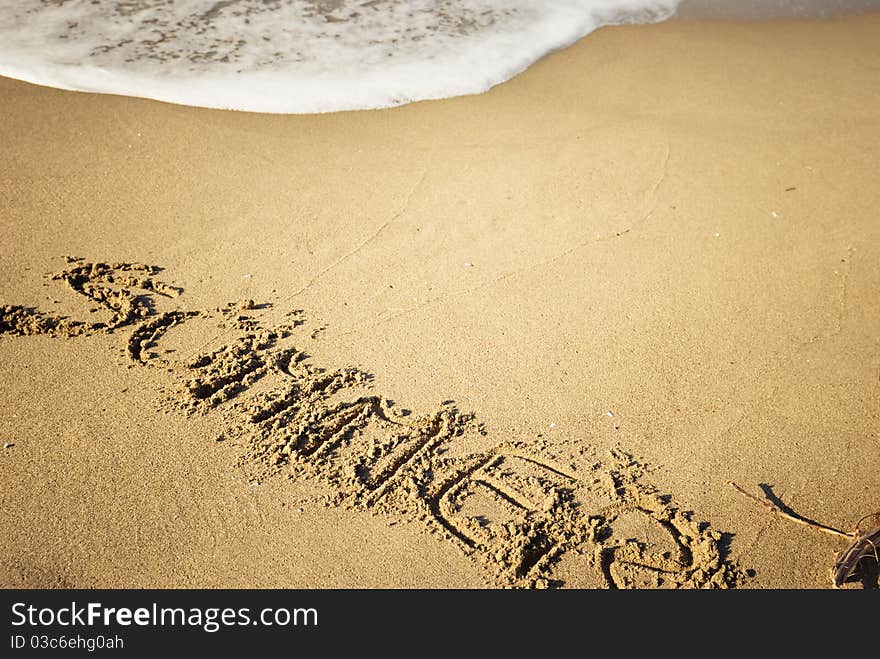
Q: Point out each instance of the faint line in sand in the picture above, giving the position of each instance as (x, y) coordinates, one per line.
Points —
(400, 212)
(664, 168)
(844, 292)
(358, 248)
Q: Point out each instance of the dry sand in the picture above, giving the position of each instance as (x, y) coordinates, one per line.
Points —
(522, 338)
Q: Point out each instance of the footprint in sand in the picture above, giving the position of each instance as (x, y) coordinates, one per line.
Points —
(531, 514)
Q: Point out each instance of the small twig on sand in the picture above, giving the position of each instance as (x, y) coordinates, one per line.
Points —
(862, 545)
(791, 518)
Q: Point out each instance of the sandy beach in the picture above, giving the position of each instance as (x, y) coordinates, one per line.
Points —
(523, 338)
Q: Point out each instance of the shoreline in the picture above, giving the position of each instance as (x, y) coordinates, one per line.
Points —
(660, 240)
(322, 94)
(810, 10)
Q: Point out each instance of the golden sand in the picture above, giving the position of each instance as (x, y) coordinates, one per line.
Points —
(645, 267)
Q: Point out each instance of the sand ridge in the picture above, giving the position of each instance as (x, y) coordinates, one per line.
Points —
(528, 513)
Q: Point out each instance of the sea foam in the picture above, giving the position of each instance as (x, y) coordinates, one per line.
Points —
(293, 56)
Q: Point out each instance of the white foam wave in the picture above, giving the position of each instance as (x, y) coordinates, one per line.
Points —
(294, 56)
